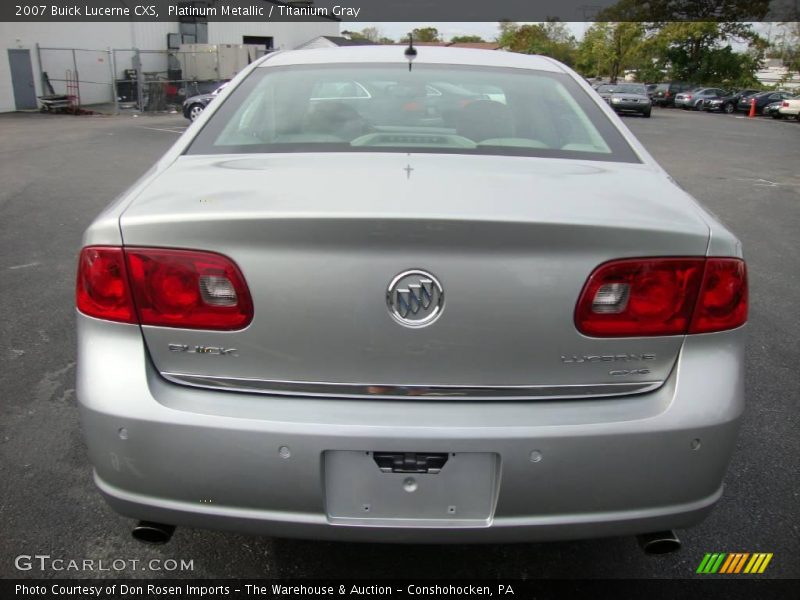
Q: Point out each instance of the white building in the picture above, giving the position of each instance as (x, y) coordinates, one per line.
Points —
(776, 73)
(20, 68)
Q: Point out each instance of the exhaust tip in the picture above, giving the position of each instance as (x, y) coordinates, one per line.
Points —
(149, 532)
(661, 542)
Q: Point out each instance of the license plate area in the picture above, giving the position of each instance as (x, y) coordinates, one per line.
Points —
(362, 488)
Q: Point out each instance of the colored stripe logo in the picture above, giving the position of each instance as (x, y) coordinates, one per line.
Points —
(734, 562)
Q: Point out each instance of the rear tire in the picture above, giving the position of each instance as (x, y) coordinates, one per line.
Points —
(729, 108)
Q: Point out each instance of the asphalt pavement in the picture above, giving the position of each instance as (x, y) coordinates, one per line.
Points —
(58, 172)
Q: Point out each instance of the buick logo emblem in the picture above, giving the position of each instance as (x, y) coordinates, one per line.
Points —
(415, 298)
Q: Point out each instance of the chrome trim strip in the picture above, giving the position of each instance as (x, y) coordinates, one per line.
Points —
(403, 392)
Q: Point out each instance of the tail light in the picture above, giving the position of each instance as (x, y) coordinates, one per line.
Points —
(688, 96)
(723, 296)
(169, 288)
(663, 296)
(102, 288)
(785, 104)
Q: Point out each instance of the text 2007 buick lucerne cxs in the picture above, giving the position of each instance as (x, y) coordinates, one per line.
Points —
(447, 299)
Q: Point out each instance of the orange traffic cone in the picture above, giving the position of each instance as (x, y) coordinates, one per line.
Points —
(752, 108)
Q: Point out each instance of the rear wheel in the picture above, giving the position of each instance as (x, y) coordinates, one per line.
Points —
(729, 108)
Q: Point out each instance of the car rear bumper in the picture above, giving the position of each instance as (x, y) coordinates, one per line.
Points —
(565, 469)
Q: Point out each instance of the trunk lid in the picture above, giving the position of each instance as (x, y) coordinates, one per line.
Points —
(319, 237)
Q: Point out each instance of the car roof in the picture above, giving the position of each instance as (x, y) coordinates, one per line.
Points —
(425, 55)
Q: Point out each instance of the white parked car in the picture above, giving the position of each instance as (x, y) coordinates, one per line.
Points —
(790, 108)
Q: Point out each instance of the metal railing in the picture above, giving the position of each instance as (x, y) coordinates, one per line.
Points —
(132, 78)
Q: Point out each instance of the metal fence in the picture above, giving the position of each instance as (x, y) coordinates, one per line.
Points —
(130, 78)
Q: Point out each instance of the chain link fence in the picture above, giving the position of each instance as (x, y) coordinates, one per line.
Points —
(118, 79)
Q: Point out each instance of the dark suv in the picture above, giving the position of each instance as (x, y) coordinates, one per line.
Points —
(664, 94)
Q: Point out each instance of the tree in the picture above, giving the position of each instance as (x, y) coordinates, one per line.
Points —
(608, 49)
(426, 34)
(551, 38)
(373, 34)
(465, 39)
(701, 51)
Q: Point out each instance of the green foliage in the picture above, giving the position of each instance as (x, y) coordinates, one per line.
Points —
(549, 39)
(609, 49)
(701, 52)
(696, 51)
(461, 39)
(426, 34)
(373, 34)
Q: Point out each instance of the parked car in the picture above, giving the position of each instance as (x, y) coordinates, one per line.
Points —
(627, 98)
(724, 101)
(727, 103)
(664, 94)
(502, 330)
(694, 99)
(651, 90)
(195, 105)
(762, 99)
(771, 109)
(790, 108)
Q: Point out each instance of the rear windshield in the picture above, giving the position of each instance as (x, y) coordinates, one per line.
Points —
(387, 108)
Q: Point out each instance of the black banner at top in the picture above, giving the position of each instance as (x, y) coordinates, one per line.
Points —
(399, 10)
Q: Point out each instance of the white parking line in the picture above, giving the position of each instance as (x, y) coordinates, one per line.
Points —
(178, 130)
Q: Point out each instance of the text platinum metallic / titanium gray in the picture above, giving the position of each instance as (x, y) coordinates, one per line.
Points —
(303, 307)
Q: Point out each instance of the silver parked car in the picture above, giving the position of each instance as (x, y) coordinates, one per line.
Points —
(627, 98)
(363, 319)
(695, 99)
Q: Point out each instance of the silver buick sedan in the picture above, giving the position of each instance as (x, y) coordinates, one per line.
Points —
(410, 295)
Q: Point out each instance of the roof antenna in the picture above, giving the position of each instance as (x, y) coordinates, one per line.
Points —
(411, 52)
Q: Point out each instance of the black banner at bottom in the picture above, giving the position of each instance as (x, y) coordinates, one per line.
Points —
(539, 589)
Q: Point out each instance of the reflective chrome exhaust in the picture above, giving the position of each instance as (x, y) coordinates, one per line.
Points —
(152, 533)
(659, 542)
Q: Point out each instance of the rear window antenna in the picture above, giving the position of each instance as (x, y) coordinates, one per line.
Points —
(411, 52)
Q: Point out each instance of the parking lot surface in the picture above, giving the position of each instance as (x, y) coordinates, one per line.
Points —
(58, 172)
